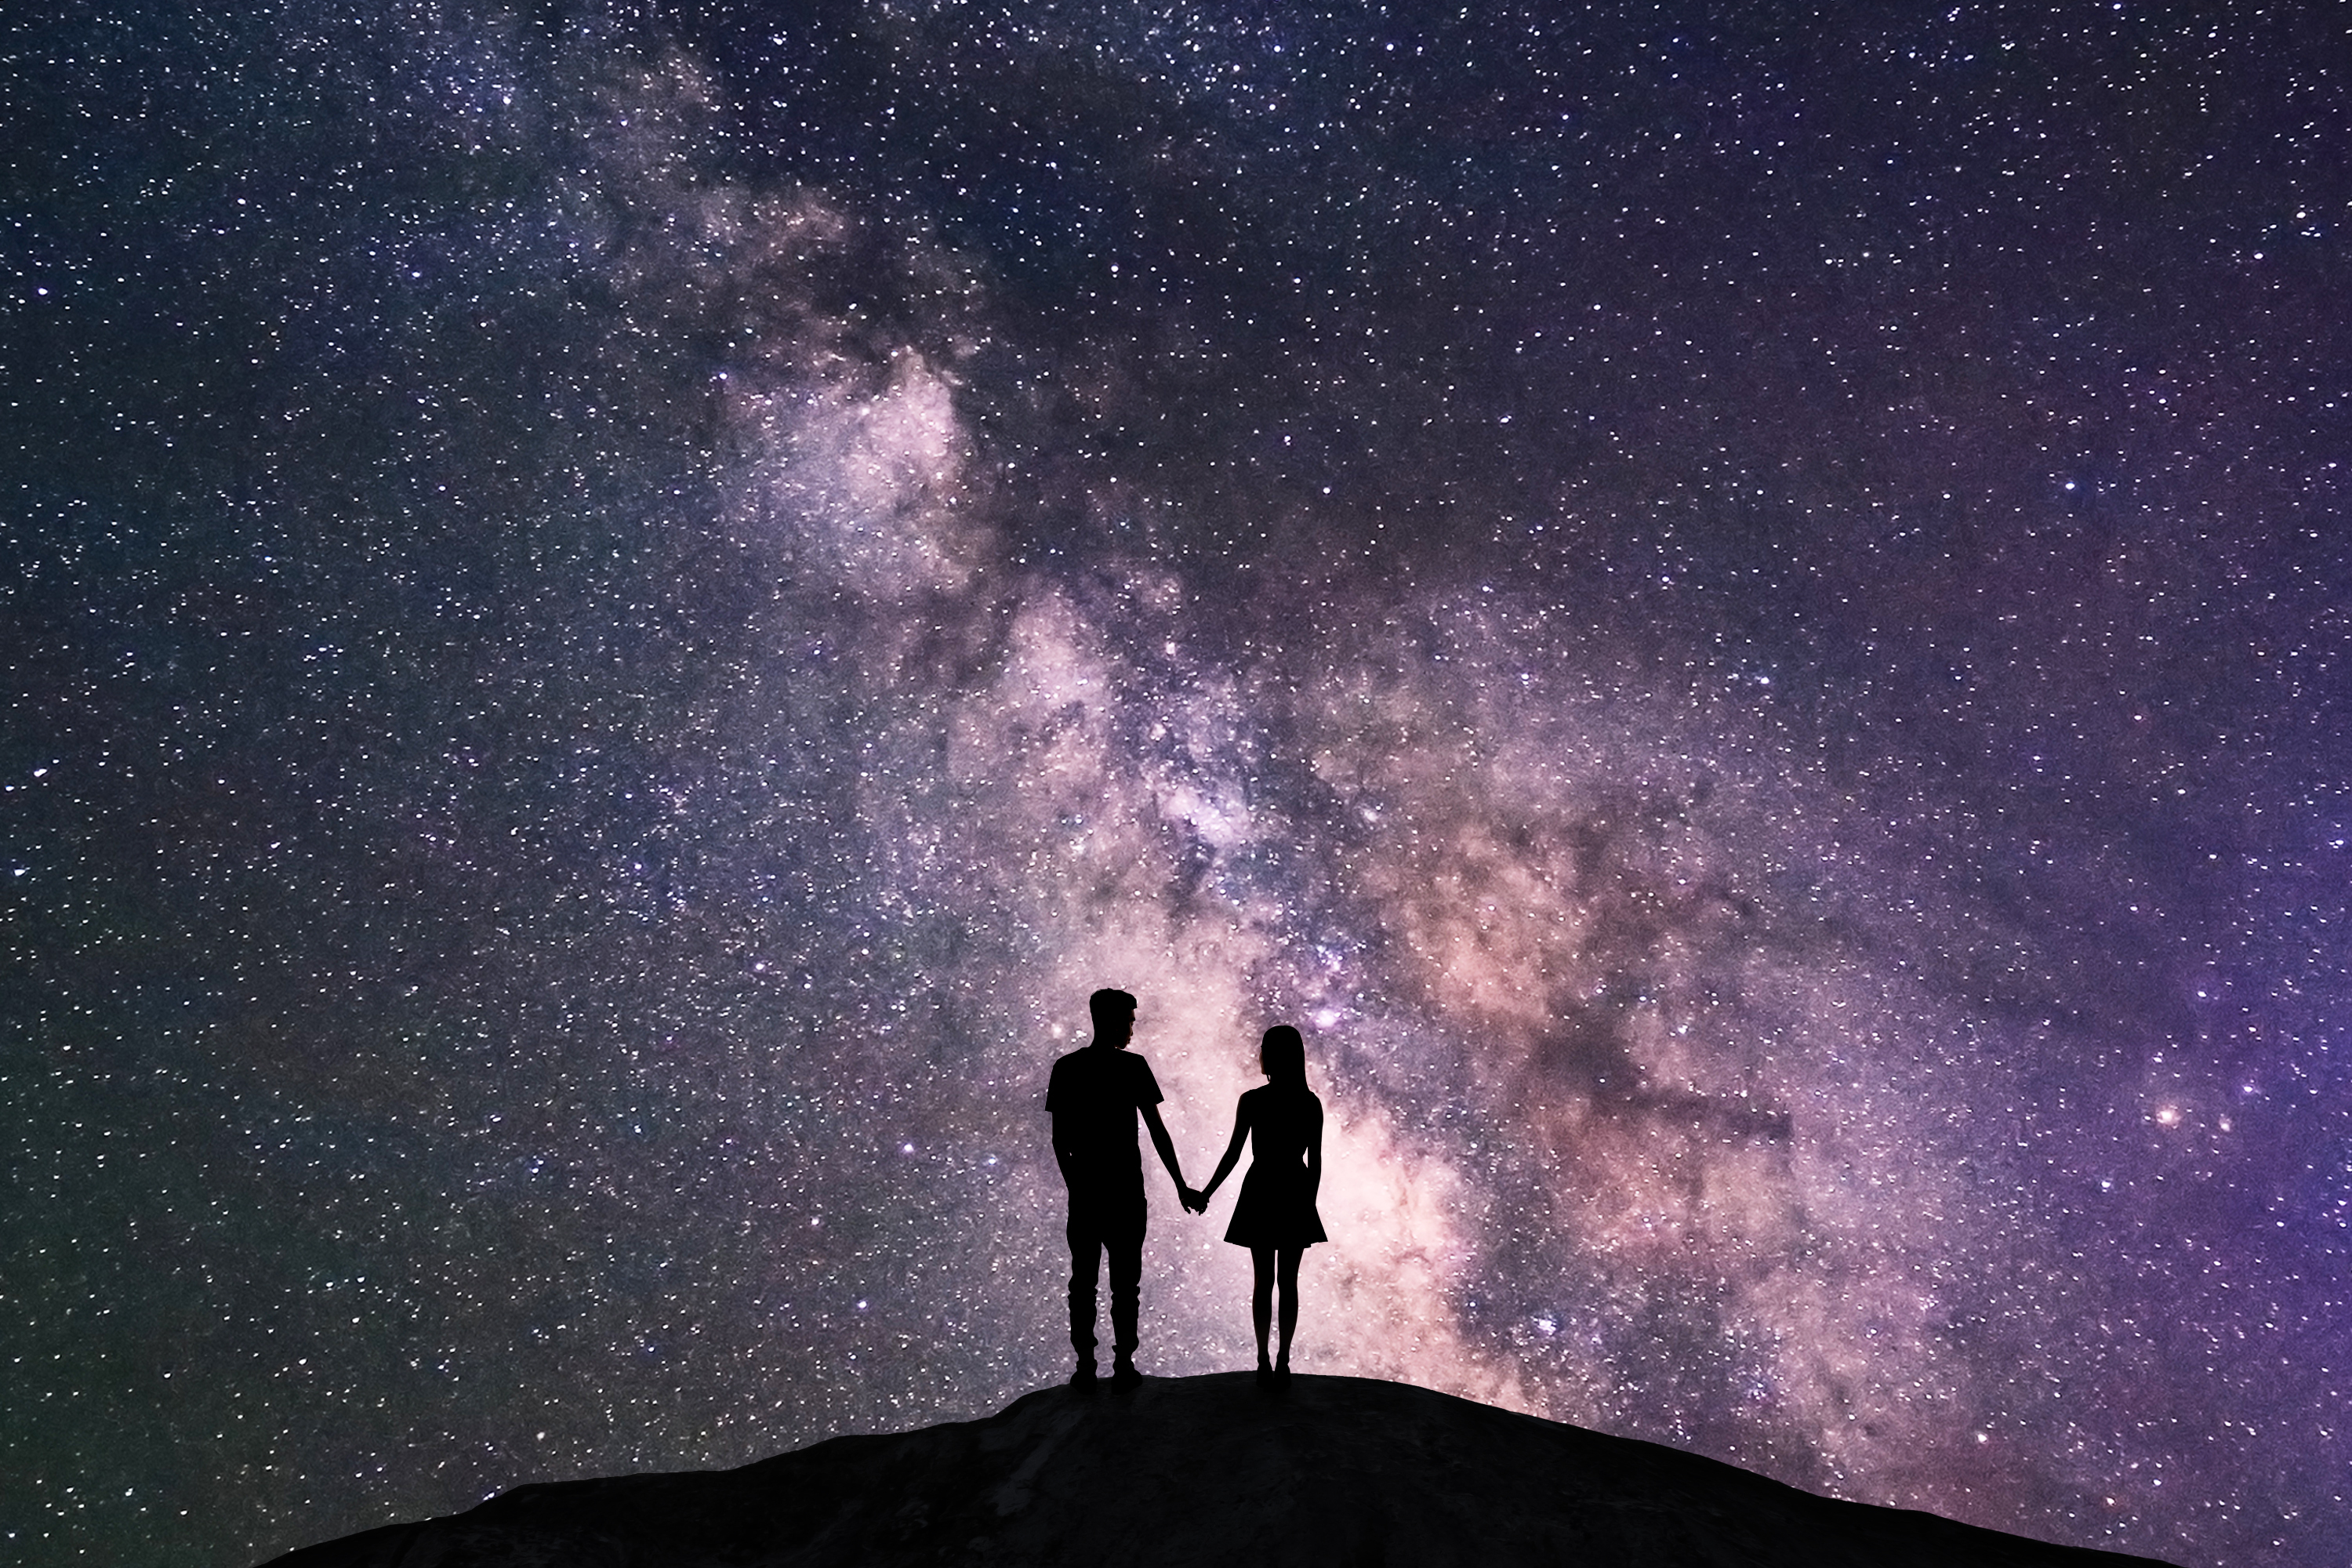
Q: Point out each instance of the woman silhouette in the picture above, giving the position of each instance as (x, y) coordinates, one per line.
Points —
(1275, 1217)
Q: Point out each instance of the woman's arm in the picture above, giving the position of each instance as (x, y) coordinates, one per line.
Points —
(1315, 1152)
(1232, 1150)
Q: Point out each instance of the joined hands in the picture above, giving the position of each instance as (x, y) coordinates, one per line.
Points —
(1193, 1200)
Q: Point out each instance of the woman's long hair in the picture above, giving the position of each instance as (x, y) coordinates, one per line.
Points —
(1284, 1054)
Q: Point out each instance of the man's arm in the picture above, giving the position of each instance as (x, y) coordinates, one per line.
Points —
(1160, 1140)
(1057, 1106)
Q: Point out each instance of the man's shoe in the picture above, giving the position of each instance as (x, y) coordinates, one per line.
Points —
(1084, 1376)
(1124, 1376)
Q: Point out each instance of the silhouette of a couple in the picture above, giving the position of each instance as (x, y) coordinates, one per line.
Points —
(1094, 1096)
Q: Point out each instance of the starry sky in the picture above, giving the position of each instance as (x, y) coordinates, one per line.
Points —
(611, 612)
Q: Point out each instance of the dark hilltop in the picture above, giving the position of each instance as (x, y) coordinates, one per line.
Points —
(1201, 1470)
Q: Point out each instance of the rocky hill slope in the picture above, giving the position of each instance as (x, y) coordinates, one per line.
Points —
(1212, 1471)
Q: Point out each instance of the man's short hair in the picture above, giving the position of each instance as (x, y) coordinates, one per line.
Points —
(1107, 1004)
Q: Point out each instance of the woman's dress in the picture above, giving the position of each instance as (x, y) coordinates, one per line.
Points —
(1276, 1207)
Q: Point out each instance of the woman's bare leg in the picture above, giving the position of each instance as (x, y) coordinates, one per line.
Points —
(1262, 1261)
(1287, 1265)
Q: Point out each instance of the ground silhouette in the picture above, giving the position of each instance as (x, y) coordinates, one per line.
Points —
(1210, 1471)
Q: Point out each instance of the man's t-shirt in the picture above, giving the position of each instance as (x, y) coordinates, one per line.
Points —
(1094, 1096)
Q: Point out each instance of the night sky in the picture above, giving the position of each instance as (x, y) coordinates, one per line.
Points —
(610, 614)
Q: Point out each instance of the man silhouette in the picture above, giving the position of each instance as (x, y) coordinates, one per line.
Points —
(1094, 1096)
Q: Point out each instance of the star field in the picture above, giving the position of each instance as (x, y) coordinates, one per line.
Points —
(612, 614)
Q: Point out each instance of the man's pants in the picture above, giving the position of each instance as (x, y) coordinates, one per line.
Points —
(1094, 1229)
